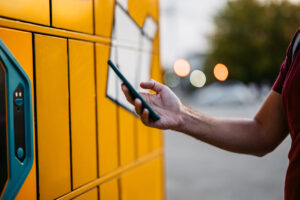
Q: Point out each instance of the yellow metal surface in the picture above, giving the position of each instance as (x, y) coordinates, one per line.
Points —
(20, 45)
(109, 190)
(127, 134)
(74, 15)
(143, 139)
(107, 116)
(130, 190)
(83, 112)
(157, 139)
(140, 9)
(114, 174)
(128, 151)
(29, 10)
(156, 73)
(51, 31)
(63, 33)
(90, 195)
(143, 183)
(158, 181)
(104, 13)
(52, 116)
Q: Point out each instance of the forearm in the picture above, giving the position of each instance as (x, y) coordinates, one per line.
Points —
(256, 136)
(236, 135)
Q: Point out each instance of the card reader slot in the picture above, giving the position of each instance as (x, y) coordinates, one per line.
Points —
(19, 123)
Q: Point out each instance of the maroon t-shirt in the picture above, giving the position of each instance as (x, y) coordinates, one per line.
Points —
(288, 84)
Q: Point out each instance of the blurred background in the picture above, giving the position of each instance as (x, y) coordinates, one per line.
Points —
(221, 57)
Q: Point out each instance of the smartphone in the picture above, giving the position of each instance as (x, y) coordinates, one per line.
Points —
(134, 94)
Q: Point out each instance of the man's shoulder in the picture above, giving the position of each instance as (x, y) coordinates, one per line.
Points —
(296, 44)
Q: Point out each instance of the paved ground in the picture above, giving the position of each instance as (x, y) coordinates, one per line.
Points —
(197, 171)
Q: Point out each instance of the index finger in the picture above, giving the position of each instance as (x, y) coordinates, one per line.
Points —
(127, 93)
(152, 85)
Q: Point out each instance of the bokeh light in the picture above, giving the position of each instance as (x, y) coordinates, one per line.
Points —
(197, 78)
(221, 72)
(171, 79)
(182, 68)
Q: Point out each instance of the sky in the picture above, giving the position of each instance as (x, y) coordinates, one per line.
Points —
(184, 27)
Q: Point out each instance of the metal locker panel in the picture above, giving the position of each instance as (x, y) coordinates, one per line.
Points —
(143, 183)
(29, 10)
(83, 112)
(140, 9)
(157, 139)
(156, 74)
(127, 134)
(143, 138)
(23, 54)
(109, 190)
(76, 15)
(104, 12)
(107, 116)
(158, 179)
(52, 102)
(150, 187)
(129, 188)
(142, 190)
(89, 195)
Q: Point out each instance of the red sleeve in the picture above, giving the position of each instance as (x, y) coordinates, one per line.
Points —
(278, 85)
(281, 77)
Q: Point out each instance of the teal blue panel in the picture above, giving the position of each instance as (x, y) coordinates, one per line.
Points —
(19, 123)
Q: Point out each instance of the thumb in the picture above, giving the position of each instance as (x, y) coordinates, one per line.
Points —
(152, 85)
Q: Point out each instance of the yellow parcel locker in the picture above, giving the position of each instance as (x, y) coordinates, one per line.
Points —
(107, 116)
(127, 136)
(52, 101)
(140, 9)
(89, 145)
(76, 15)
(156, 73)
(83, 112)
(29, 10)
(109, 190)
(23, 53)
(143, 183)
(89, 195)
(143, 139)
(158, 178)
(104, 14)
(155, 178)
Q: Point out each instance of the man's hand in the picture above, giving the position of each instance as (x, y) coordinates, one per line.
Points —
(257, 136)
(164, 102)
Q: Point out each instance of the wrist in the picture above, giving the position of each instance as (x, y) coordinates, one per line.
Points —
(181, 118)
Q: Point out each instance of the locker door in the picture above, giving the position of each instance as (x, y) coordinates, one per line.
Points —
(30, 10)
(76, 15)
(52, 103)
(16, 124)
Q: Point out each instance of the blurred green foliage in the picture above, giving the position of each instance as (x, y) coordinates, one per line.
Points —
(251, 38)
